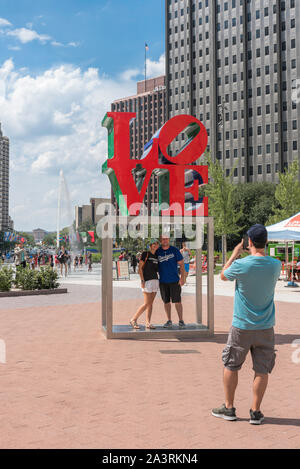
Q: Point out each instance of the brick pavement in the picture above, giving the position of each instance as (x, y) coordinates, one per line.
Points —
(65, 386)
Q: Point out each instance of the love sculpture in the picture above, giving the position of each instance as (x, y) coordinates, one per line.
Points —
(121, 169)
(129, 179)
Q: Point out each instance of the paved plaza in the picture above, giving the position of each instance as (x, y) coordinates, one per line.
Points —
(65, 386)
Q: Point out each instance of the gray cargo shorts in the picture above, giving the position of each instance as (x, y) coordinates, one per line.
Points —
(259, 342)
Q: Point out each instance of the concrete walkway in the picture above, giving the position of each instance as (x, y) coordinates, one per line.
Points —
(65, 386)
(82, 277)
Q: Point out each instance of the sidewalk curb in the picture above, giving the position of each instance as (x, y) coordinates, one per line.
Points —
(33, 292)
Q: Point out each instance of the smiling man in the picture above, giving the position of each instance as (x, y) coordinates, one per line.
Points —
(170, 283)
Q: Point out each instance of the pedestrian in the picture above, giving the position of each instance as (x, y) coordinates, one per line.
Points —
(75, 262)
(253, 320)
(133, 262)
(170, 282)
(148, 270)
(186, 254)
(69, 261)
(89, 261)
(63, 258)
(80, 260)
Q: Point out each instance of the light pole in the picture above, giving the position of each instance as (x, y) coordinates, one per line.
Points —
(222, 107)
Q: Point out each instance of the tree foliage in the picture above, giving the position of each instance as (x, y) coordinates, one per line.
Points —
(256, 199)
(220, 192)
(287, 195)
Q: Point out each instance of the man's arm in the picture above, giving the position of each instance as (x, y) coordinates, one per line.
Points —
(235, 254)
(181, 265)
(141, 272)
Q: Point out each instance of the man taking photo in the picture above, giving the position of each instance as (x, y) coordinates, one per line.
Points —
(253, 320)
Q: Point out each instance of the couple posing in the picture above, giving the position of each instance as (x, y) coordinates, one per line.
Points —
(163, 260)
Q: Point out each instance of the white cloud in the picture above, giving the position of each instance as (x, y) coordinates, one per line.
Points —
(25, 35)
(154, 69)
(4, 22)
(53, 121)
(69, 44)
(28, 34)
(14, 47)
(73, 44)
(130, 74)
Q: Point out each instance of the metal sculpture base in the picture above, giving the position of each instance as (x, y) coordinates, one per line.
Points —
(190, 331)
(197, 329)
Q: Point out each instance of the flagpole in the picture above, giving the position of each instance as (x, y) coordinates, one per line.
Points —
(145, 64)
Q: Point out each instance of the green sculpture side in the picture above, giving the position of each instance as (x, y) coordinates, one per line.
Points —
(108, 123)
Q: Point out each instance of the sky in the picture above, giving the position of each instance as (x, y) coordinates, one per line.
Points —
(62, 63)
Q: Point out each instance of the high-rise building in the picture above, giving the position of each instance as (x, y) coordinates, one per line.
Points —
(5, 221)
(89, 213)
(149, 104)
(234, 65)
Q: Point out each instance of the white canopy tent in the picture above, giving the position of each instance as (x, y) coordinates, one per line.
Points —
(286, 230)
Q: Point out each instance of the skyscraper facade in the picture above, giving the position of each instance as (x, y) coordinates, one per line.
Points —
(5, 222)
(234, 65)
(149, 104)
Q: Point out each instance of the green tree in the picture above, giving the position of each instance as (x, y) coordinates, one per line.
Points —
(257, 200)
(220, 192)
(287, 195)
(50, 239)
(28, 236)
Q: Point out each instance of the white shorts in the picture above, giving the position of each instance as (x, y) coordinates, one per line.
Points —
(151, 286)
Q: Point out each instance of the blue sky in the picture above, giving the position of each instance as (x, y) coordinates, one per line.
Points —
(61, 65)
(109, 34)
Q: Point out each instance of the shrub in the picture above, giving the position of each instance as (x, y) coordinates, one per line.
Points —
(6, 278)
(46, 278)
(26, 279)
(96, 257)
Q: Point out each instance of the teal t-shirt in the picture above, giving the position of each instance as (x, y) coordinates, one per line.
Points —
(256, 278)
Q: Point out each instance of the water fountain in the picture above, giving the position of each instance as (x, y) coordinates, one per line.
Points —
(64, 211)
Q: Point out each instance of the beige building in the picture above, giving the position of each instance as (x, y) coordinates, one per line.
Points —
(88, 213)
(39, 234)
(149, 104)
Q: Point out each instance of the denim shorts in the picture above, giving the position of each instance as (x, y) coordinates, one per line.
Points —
(260, 343)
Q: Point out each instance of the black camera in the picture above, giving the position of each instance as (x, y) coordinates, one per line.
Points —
(245, 242)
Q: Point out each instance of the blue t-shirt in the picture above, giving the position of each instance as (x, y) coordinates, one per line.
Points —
(167, 264)
(256, 278)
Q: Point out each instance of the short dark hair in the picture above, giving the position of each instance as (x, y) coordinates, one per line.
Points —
(258, 235)
(260, 245)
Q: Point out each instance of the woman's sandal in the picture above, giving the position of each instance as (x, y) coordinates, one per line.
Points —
(150, 326)
(134, 324)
